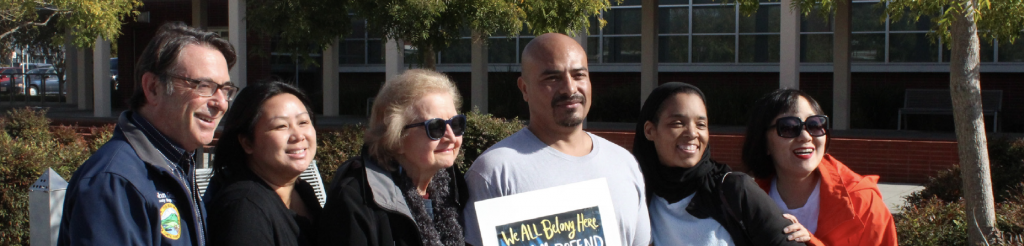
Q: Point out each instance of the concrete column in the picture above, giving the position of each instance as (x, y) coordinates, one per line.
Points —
(394, 58)
(330, 79)
(236, 36)
(101, 78)
(841, 67)
(70, 68)
(789, 52)
(648, 48)
(84, 79)
(479, 73)
(200, 13)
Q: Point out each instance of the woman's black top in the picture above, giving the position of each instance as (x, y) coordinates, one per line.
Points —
(248, 212)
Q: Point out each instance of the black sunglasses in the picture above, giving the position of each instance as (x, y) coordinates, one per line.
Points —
(791, 127)
(436, 127)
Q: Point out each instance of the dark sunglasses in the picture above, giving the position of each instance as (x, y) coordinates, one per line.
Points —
(436, 127)
(791, 127)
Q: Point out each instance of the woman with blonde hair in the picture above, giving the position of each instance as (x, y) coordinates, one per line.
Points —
(402, 189)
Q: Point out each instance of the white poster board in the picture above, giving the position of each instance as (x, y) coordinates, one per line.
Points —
(575, 214)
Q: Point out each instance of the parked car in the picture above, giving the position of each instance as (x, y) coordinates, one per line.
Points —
(36, 78)
(8, 75)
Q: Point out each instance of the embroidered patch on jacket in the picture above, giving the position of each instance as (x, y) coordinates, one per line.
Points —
(170, 223)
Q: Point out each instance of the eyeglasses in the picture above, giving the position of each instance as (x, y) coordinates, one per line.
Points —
(436, 127)
(208, 88)
(791, 127)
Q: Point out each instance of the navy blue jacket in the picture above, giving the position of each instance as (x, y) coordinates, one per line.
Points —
(135, 190)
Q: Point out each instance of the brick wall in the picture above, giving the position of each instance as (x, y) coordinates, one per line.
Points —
(896, 161)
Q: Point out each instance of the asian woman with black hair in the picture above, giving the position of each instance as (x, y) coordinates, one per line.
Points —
(256, 196)
(786, 150)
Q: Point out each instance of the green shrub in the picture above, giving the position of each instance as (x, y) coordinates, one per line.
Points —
(27, 124)
(335, 147)
(28, 146)
(935, 215)
(482, 131)
(932, 222)
(1006, 157)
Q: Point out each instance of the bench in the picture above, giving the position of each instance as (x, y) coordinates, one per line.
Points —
(939, 102)
(311, 175)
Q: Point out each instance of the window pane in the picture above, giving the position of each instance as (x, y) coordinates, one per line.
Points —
(351, 52)
(1011, 52)
(673, 48)
(714, 48)
(759, 48)
(501, 50)
(986, 52)
(667, 2)
(867, 17)
(912, 47)
(375, 51)
(765, 20)
(622, 21)
(459, 51)
(358, 28)
(716, 19)
(908, 24)
(622, 49)
(373, 34)
(711, 1)
(814, 22)
(522, 45)
(595, 26)
(867, 47)
(625, 2)
(816, 48)
(673, 20)
(593, 49)
(412, 55)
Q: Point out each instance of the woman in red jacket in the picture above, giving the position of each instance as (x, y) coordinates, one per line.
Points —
(785, 150)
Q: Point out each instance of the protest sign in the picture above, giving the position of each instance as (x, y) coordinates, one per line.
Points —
(578, 214)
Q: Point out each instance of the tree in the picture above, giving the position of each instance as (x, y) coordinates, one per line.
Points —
(89, 18)
(299, 26)
(432, 25)
(958, 23)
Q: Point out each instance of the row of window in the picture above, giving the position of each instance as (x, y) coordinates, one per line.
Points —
(707, 31)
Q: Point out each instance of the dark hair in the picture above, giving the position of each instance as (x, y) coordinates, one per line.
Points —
(643, 149)
(755, 144)
(161, 54)
(240, 120)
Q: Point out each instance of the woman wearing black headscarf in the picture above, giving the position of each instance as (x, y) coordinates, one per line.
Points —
(692, 199)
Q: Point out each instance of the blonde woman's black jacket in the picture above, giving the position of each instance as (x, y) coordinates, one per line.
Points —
(365, 207)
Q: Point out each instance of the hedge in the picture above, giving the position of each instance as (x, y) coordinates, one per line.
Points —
(28, 146)
(935, 215)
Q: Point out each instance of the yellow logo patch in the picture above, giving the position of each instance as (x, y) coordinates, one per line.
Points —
(170, 221)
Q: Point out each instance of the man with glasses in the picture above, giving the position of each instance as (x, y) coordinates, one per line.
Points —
(139, 188)
(553, 149)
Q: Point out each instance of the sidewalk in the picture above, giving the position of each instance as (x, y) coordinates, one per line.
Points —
(893, 193)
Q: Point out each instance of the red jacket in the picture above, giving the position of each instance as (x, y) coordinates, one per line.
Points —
(852, 211)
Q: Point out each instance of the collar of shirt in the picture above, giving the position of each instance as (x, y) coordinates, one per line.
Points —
(174, 154)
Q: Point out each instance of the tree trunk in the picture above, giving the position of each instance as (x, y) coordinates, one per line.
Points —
(965, 88)
(429, 58)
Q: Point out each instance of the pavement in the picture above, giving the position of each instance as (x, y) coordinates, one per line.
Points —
(893, 194)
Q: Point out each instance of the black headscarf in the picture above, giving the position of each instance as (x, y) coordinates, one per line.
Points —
(673, 183)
